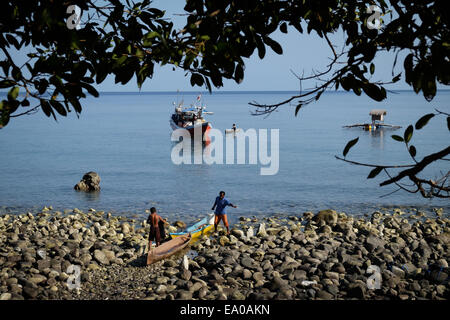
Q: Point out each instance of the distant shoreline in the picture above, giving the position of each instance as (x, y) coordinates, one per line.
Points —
(231, 92)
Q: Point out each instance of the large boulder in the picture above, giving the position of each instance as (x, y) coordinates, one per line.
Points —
(89, 182)
(330, 217)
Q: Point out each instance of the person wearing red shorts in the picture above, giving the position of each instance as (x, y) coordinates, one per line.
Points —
(220, 206)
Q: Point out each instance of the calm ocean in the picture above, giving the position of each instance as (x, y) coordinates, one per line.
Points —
(125, 137)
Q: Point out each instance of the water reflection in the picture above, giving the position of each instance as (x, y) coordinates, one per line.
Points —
(378, 138)
(93, 196)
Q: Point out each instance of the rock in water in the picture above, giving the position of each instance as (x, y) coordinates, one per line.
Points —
(89, 182)
(330, 217)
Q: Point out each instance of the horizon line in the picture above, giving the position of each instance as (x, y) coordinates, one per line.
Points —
(236, 91)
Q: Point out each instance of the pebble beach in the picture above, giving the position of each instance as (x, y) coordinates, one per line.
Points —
(328, 255)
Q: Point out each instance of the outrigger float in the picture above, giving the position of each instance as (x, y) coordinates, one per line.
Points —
(191, 118)
(377, 122)
(198, 229)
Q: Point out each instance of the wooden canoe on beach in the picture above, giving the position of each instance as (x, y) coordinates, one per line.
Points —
(168, 248)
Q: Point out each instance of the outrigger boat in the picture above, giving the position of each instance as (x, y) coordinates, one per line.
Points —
(377, 121)
(191, 118)
(168, 248)
(198, 229)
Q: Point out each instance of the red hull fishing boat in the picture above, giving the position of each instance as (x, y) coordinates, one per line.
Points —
(191, 119)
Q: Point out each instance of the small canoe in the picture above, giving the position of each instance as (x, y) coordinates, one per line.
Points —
(168, 248)
(232, 131)
(198, 229)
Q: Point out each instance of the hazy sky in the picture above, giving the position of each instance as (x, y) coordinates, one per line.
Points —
(301, 53)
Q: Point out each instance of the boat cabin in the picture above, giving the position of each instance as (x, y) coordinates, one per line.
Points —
(377, 115)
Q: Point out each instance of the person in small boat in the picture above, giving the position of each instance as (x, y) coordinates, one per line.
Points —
(220, 212)
(234, 127)
(157, 231)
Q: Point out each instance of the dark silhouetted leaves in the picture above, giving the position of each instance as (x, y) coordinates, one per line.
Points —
(408, 133)
(6, 84)
(297, 108)
(46, 108)
(58, 107)
(374, 172)
(397, 138)
(196, 79)
(274, 45)
(374, 91)
(239, 73)
(412, 151)
(349, 145)
(422, 122)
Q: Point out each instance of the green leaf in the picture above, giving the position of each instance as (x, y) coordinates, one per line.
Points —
(408, 133)
(372, 68)
(76, 105)
(397, 138)
(58, 107)
(349, 145)
(13, 93)
(374, 172)
(46, 108)
(422, 122)
(283, 27)
(4, 114)
(6, 84)
(92, 91)
(412, 151)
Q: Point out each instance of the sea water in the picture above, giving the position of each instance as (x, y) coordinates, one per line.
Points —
(126, 139)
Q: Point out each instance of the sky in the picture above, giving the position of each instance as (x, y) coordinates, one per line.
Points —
(301, 53)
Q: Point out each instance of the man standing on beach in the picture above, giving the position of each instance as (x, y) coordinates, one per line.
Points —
(221, 214)
(157, 231)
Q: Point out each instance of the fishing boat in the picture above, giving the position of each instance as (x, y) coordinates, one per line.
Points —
(191, 119)
(198, 229)
(168, 248)
(377, 121)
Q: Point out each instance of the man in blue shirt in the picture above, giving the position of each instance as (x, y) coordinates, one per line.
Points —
(221, 213)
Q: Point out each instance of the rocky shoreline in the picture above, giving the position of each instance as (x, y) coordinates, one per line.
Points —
(328, 255)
